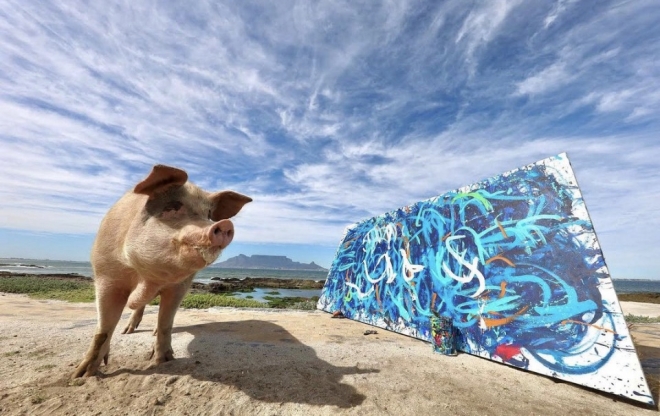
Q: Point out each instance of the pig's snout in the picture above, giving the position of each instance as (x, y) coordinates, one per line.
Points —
(221, 233)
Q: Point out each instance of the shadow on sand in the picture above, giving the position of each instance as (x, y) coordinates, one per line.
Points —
(650, 360)
(264, 361)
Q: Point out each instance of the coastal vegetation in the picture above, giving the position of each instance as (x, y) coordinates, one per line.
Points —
(645, 297)
(638, 319)
(82, 290)
(209, 300)
(70, 290)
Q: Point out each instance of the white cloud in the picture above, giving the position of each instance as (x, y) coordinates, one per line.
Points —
(550, 78)
(558, 10)
(613, 101)
(482, 24)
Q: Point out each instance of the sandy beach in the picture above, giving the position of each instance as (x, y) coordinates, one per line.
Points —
(275, 362)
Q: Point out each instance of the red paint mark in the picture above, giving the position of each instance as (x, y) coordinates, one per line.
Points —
(507, 351)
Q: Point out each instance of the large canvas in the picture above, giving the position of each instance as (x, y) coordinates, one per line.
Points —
(513, 260)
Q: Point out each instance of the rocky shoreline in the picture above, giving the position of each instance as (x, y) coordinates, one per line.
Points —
(217, 285)
(235, 285)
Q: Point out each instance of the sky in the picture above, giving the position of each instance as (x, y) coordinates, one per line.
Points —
(324, 112)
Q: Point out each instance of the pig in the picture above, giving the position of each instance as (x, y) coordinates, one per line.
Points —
(152, 242)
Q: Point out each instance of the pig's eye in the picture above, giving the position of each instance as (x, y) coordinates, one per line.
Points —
(209, 216)
(173, 206)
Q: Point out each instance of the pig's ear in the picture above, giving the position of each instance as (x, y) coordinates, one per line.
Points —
(227, 204)
(161, 178)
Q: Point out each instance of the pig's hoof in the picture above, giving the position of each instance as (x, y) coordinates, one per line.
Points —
(161, 357)
(167, 357)
(130, 328)
(86, 369)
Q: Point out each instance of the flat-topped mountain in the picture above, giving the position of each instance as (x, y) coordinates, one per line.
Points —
(260, 261)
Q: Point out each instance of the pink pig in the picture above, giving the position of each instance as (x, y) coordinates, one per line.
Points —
(150, 243)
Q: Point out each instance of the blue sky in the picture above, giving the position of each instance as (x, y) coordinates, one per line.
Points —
(325, 112)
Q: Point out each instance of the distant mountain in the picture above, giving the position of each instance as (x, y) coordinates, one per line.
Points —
(259, 261)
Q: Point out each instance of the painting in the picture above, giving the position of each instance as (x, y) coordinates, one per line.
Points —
(513, 261)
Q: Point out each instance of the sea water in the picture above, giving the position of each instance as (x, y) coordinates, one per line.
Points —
(84, 268)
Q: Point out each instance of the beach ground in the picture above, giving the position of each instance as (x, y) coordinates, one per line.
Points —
(273, 362)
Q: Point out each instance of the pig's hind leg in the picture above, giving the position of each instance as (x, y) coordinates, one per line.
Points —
(170, 299)
(134, 321)
(109, 304)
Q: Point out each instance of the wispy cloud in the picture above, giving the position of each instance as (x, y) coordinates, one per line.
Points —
(326, 112)
(482, 24)
(552, 77)
(560, 8)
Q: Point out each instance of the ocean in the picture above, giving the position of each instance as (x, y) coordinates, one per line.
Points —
(84, 268)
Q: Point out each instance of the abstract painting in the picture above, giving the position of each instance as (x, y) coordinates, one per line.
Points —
(513, 260)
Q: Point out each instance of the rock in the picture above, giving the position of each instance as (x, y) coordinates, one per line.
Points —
(233, 284)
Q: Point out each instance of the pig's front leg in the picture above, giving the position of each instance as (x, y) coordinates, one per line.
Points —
(170, 299)
(110, 304)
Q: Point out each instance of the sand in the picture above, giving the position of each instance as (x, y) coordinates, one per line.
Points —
(269, 362)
